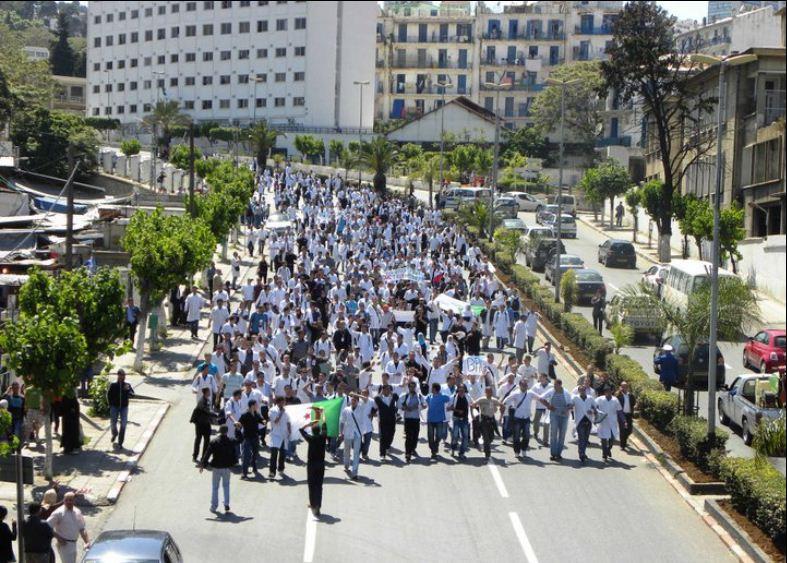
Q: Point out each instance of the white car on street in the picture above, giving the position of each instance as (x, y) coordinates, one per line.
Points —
(655, 276)
(526, 201)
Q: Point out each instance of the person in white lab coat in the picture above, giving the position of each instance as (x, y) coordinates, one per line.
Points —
(351, 431)
(520, 338)
(193, 306)
(608, 429)
(279, 437)
(501, 322)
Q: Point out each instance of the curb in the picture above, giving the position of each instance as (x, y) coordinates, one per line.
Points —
(139, 449)
(641, 254)
(728, 525)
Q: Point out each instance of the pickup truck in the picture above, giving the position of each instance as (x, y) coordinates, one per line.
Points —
(636, 313)
(750, 399)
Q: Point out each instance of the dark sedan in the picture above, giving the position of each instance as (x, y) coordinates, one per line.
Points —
(617, 253)
(588, 283)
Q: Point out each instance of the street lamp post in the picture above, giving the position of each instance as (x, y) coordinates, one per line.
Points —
(360, 84)
(155, 134)
(721, 110)
(443, 86)
(562, 83)
(497, 87)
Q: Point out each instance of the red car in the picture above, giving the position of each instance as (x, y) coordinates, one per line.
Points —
(766, 351)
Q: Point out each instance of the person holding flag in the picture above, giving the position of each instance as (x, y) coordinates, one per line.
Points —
(315, 459)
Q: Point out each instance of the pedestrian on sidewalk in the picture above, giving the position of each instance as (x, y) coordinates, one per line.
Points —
(201, 418)
(558, 401)
(235, 269)
(37, 536)
(627, 402)
(68, 524)
(193, 306)
(16, 406)
(619, 212)
(7, 537)
(118, 394)
(132, 319)
(315, 460)
(221, 457)
(209, 273)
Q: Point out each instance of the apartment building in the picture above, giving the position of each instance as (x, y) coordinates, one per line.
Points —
(735, 34)
(296, 64)
(718, 10)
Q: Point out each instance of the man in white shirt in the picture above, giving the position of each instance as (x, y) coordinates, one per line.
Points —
(218, 316)
(608, 428)
(520, 338)
(204, 380)
(193, 306)
(584, 410)
(279, 437)
(518, 407)
(545, 359)
(540, 388)
(350, 429)
(68, 525)
(531, 328)
(528, 371)
(233, 412)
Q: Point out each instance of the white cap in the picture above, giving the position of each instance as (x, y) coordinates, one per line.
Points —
(667, 348)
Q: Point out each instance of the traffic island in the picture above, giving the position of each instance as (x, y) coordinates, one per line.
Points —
(749, 537)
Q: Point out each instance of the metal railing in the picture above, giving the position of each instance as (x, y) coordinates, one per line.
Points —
(428, 90)
(517, 87)
(604, 29)
(433, 38)
(427, 62)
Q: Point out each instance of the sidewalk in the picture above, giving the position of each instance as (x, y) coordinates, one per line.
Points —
(101, 469)
(773, 312)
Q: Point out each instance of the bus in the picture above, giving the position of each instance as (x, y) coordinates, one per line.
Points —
(687, 276)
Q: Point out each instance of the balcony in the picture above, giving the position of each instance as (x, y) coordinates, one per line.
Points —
(517, 87)
(624, 141)
(435, 13)
(531, 35)
(434, 38)
(428, 62)
(605, 29)
(429, 90)
(519, 61)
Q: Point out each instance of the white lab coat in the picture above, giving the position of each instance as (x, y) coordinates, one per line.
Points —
(608, 428)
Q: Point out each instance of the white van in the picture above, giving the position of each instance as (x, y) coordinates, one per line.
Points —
(454, 197)
(687, 276)
(569, 203)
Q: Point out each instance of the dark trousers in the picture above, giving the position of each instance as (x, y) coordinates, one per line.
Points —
(194, 326)
(520, 430)
(132, 330)
(201, 433)
(250, 454)
(434, 431)
(598, 321)
(531, 344)
(476, 430)
(487, 433)
(277, 459)
(583, 435)
(314, 476)
(606, 447)
(625, 431)
(216, 337)
(412, 428)
(387, 431)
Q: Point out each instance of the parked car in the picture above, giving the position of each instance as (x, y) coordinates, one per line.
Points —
(133, 545)
(454, 197)
(765, 351)
(700, 365)
(568, 202)
(526, 201)
(533, 233)
(567, 262)
(537, 253)
(655, 276)
(588, 283)
(515, 225)
(617, 252)
(637, 313)
(506, 207)
(544, 211)
(749, 400)
(568, 226)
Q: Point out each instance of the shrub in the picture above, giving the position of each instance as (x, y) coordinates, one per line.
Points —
(579, 330)
(692, 435)
(757, 491)
(179, 156)
(658, 407)
(623, 368)
(526, 280)
(130, 147)
(770, 439)
(568, 290)
(98, 396)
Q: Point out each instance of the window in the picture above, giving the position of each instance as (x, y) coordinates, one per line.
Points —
(244, 27)
(224, 104)
(148, 35)
(243, 79)
(107, 87)
(189, 81)
(132, 108)
(262, 53)
(122, 16)
(110, 18)
(96, 111)
(161, 59)
(96, 66)
(299, 76)
(207, 56)
(121, 63)
(108, 40)
(207, 29)
(226, 28)
(148, 12)
(260, 102)
(191, 57)
(224, 79)
(278, 102)
(207, 5)
(188, 104)
(226, 4)
(160, 83)
(121, 86)
(107, 111)
(134, 37)
(134, 14)
(108, 65)
(262, 26)
(147, 108)
(207, 80)
(173, 82)
(148, 61)
(96, 89)
(300, 51)
(173, 58)
(300, 23)
(259, 3)
(298, 101)
(245, 3)
(207, 104)
(281, 51)
(174, 8)
(162, 10)
(243, 54)
(132, 85)
(281, 25)
(243, 103)
(97, 19)
(191, 6)
(226, 55)
(121, 38)
(191, 30)
(262, 77)
(280, 77)
(161, 33)
(133, 63)
(174, 32)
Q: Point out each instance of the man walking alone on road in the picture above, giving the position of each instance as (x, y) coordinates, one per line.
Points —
(221, 458)
(118, 394)
(315, 461)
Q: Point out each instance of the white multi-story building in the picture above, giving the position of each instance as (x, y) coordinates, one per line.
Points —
(735, 34)
(296, 64)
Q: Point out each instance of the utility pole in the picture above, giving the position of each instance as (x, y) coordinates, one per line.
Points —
(443, 86)
(497, 86)
(20, 502)
(192, 206)
(69, 187)
(360, 84)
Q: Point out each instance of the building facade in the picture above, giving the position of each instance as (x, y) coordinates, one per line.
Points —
(737, 33)
(725, 9)
(296, 64)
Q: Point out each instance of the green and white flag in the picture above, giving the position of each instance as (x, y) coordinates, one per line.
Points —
(303, 414)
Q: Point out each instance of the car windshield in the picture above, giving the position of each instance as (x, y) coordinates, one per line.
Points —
(588, 276)
(780, 342)
(571, 260)
(567, 219)
(622, 248)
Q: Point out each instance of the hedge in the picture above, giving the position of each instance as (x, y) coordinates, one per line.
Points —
(658, 408)
(691, 433)
(757, 491)
(579, 330)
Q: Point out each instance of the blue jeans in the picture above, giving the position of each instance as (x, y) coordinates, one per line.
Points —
(583, 435)
(223, 475)
(557, 433)
(353, 444)
(506, 430)
(461, 428)
(520, 430)
(250, 454)
(122, 414)
(434, 431)
(432, 330)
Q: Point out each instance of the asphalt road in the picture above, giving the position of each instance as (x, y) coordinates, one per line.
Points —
(535, 510)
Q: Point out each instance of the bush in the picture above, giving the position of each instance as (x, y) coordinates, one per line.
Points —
(568, 290)
(525, 280)
(658, 407)
(179, 156)
(130, 147)
(623, 368)
(98, 396)
(695, 445)
(757, 491)
(579, 329)
(770, 439)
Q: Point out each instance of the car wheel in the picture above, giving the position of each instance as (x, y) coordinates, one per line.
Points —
(723, 418)
(745, 360)
(763, 367)
(745, 432)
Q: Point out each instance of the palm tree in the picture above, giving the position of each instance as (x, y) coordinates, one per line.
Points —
(263, 139)
(335, 148)
(427, 169)
(476, 214)
(164, 117)
(346, 159)
(378, 155)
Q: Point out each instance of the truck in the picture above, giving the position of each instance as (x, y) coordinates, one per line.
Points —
(748, 401)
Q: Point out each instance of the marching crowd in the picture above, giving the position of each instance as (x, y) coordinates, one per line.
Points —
(380, 302)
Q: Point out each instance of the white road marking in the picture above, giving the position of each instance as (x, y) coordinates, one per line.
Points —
(530, 555)
(501, 487)
(311, 537)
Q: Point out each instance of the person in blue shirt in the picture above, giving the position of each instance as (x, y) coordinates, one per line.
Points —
(257, 321)
(213, 369)
(668, 367)
(435, 417)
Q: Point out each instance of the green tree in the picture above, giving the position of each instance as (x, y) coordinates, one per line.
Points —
(622, 335)
(61, 56)
(484, 160)
(426, 168)
(49, 352)
(180, 156)
(643, 64)
(527, 141)
(378, 155)
(568, 289)
(731, 232)
(164, 117)
(263, 139)
(463, 158)
(509, 240)
(633, 198)
(164, 251)
(130, 147)
(335, 148)
(510, 178)
(305, 144)
(608, 180)
(30, 82)
(476, 215)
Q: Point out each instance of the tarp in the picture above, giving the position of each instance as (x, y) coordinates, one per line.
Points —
(448, 303)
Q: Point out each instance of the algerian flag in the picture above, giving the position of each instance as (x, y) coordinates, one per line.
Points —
(303, 414)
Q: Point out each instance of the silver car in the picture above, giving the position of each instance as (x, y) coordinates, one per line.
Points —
(506, 207)
(749, 400)
(133, 545)
(568, 226)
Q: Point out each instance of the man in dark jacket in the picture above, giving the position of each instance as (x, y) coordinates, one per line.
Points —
(118, 394)
(37, 535)
(668, 367)
(342, 339)
(627, 401)
(201, 418)
(221, 458)
(250, 421)
(315, 462)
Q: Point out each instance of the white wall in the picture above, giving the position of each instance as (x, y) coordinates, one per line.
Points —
(457, 120)
(764, 265)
